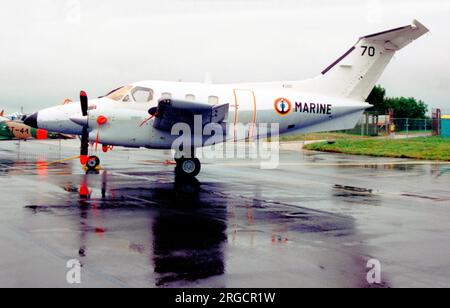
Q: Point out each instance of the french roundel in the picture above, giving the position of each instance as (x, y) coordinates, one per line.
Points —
(283, 106)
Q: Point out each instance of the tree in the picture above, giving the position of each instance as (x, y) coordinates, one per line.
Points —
(403, 107)
(408, 107)
(377, 98)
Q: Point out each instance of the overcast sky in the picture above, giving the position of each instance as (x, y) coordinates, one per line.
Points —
(50, 49)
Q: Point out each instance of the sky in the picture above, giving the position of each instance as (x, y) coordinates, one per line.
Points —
(51, 49)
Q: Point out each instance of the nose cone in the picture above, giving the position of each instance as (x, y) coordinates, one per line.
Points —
(32, 120)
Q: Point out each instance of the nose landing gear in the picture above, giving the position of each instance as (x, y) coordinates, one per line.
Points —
(93, 163)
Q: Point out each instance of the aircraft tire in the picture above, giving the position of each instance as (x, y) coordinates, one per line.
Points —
(188, 167)
(93, 163)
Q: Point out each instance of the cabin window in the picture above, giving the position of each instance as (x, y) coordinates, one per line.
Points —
(213, 100)
(190, 97)
(166, 95)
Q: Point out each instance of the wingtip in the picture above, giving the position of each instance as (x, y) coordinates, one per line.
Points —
(418, 25)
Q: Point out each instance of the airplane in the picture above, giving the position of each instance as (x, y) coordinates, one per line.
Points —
(144, 114)
(16, 130)
(17, 116)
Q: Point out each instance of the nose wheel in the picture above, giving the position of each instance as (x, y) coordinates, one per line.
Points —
(188, 167)
(93, 163)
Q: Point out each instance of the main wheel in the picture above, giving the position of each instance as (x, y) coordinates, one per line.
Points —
(188, 167)
(93, 163)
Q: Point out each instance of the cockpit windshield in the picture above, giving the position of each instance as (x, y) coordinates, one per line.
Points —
(118, 94)
(130, 94)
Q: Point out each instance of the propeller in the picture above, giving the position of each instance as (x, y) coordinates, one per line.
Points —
(101, 121)
(84, 151)
(84, 122)
(84, 103)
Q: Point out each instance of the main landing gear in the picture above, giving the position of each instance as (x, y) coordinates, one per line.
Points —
(187, 167)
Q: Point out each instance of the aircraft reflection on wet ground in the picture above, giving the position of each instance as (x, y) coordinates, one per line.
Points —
(186, 235)
(189, 227)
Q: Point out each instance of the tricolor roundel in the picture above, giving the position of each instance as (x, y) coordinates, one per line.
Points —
(283, 106)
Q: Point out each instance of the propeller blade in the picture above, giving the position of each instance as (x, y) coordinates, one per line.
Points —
(84, 103)
(84, 151)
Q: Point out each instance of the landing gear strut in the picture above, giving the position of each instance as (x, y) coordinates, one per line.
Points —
(187, 167)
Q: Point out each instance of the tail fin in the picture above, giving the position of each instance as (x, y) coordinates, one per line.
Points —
(355, 74)
(2, 113)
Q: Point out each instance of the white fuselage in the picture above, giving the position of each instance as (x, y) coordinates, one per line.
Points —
(250, 105)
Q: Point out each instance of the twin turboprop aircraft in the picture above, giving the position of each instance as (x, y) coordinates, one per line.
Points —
(148, 114)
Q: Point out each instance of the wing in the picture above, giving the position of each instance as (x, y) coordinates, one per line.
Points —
(170, 112)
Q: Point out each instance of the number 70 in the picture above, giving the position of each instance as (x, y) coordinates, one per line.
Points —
(369, 50)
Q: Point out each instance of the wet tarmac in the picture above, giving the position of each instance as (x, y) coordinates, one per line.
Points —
(313, 222)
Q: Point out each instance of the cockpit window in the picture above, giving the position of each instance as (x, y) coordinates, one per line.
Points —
(126, 99)
(142, 95)
(118, 94)
(129, 94)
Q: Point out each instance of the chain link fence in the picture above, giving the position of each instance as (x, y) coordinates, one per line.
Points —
(412, 126)
(374, 125)
(368, 125)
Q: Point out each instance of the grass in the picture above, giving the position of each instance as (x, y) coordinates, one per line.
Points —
(414, 132)
(424, 148)
(339, 135)
(319, 136)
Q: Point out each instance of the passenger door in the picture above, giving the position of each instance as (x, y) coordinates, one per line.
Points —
(244, 111)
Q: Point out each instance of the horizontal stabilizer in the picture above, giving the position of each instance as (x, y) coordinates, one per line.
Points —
(398, 38)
